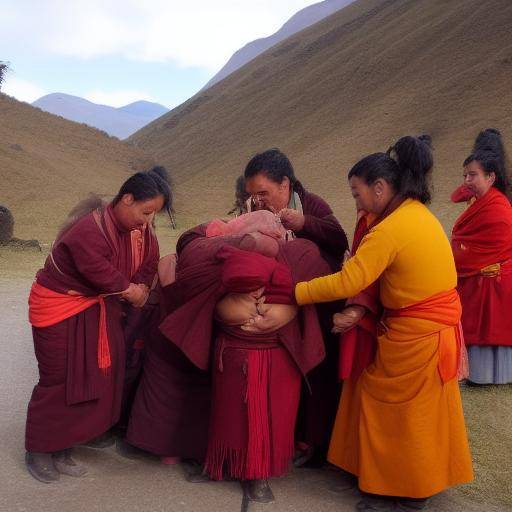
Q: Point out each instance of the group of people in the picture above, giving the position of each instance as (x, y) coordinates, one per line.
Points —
(263, 341)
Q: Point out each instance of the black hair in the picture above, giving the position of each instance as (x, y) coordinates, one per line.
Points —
(147, 185)
(489, 152)
(274, 164)
(405, 166)
(241, 197)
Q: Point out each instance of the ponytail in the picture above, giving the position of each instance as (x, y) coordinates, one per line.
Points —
(489, 153)
(405, 166)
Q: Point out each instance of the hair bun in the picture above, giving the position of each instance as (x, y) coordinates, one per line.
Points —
(489, 140)
(426, 139)
(161, 172)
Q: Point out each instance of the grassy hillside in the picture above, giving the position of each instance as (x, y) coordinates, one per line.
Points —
(47, 164)
(347, 86)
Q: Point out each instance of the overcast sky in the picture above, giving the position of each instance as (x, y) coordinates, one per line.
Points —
(118, 51)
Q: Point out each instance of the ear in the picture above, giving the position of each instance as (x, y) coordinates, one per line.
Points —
(378, 187)
(285, 184)
(128, 199)
(492, 177)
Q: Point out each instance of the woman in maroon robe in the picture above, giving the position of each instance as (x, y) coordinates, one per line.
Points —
(271, 182)
(75, 308)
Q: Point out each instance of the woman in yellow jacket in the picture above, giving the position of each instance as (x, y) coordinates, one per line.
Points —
(400, 427)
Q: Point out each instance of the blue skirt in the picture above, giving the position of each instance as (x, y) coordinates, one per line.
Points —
(490, 364)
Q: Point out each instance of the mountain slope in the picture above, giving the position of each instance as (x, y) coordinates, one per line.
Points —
(347, 86)
(299, 21)
(47, 164)
(119, 122)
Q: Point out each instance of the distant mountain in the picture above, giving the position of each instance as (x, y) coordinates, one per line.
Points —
(145, 109)
(347, 86)
(48, 164)
(299, 21)
(120, 122)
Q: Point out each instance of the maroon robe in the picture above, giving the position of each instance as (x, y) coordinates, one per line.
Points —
(319, 404)
(293, 350)
(74, 401)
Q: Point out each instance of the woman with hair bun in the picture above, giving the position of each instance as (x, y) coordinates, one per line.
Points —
(400, 427)
(482, 247)
(102, 257)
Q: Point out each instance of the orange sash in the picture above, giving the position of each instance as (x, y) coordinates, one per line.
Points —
(444, 308)
(46, 308)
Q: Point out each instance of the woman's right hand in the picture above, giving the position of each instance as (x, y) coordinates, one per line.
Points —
(347, 318)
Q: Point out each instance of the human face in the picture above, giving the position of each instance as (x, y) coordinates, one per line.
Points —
(135, 214)
(477, 180)
(372, 198)
(267, 194)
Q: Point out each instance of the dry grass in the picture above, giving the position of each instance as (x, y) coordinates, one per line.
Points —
(47, 164)
(345, 87)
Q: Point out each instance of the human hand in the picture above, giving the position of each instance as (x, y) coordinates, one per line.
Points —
(136, 294)
(347, 318)
(292, 219)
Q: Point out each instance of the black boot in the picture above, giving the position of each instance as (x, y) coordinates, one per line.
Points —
(376, 503)
(259, 491)
(64, 463)
(40, 466)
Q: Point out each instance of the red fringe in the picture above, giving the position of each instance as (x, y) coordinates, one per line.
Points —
(104, 361)
(263, 457)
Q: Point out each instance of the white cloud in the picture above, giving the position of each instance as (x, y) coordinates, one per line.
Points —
(22, 90)
(118, 98)
(202, 33)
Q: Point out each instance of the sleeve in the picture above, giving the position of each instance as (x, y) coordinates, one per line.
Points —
(322, 227)
(376, 252)
(91, 257)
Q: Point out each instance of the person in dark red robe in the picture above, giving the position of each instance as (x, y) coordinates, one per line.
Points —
(171, 409)
(271, 182)
(482, 247)
(75, 308)
(256, 376)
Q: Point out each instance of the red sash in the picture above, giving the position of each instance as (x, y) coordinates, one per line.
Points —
(46, 308)
(443, 308)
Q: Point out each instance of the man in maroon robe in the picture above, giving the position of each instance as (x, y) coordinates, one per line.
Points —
(75, 309)
(270, 180)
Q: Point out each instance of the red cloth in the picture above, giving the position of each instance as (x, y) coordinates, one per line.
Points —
(256, 390)
(92, 259)
(244, 271)
(462, 194)
(359, 345)
(482, 237)
(47, 307)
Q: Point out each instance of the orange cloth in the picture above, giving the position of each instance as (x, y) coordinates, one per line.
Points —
(46, 307)
(400, 427)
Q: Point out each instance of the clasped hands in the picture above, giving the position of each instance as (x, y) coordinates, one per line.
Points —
(136, 294)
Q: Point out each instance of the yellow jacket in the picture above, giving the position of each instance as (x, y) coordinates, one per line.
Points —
(408, 250)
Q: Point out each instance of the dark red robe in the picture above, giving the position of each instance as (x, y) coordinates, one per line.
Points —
(319, 404)
(293, 350)
(171, 410)
(74, 401)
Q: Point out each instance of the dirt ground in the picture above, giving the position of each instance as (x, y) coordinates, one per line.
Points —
(117, 484)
